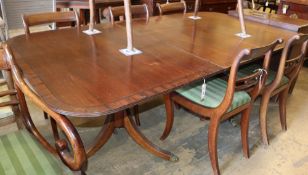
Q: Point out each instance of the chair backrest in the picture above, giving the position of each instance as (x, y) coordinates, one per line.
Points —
(292, 58)
(50, 17)
(138, 11)
(252, 83)
(172, 7)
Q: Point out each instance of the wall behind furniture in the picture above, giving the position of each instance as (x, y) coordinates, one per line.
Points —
(15, 8)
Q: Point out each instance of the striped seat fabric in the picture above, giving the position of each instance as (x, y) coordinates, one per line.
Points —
(246, 70)
(214, 94)
(21, 154)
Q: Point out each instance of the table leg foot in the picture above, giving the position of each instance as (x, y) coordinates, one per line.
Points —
(102, 137)
(139, 138)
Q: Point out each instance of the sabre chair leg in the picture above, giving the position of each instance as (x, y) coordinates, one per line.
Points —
(212, 144)
(262, 118)
(282, 108)
(244, 131)
(169, 116)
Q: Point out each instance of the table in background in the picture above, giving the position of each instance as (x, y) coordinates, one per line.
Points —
(205, 5)
(297, 7)
(280, 21)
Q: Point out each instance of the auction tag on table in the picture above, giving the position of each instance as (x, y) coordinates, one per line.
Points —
(203, 89)
(266, 4)
(284, 9)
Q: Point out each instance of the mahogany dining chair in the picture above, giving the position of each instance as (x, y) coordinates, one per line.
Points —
(30, 144)
(49, 17)
(279, 82)
(222, 99)
(9, 102)
(138, 11)
(172, 7)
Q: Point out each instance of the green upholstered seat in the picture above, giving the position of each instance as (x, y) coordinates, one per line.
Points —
(21, 154)
(246, 70)
(214, 94)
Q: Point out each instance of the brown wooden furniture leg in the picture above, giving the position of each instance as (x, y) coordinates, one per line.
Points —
(139, 138)
(263, 110)
(170, 116)
(282, 108)
(244, 130)
(102, 137)
(212, 143)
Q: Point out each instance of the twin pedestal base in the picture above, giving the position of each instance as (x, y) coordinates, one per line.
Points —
(125, 120)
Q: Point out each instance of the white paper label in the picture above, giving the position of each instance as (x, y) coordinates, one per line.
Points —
(284, 9)
(266, 4)
(203, 89)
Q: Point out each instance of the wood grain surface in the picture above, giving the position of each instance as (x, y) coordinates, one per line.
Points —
(80, 75)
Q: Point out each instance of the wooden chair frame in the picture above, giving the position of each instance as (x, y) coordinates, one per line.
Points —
(50, 17)
(171, 7)
(140, 11)
(78, 160)
(11, 92)
(253, 84)
(303, 30)
(289, 66)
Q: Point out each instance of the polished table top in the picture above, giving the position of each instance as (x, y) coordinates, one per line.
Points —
(81, 75)
(276, 20)
(212, 38)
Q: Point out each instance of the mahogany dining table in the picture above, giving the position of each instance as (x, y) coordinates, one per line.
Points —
(78, 75)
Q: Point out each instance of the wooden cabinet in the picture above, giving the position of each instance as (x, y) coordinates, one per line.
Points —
(295, 8)
(222, 6)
